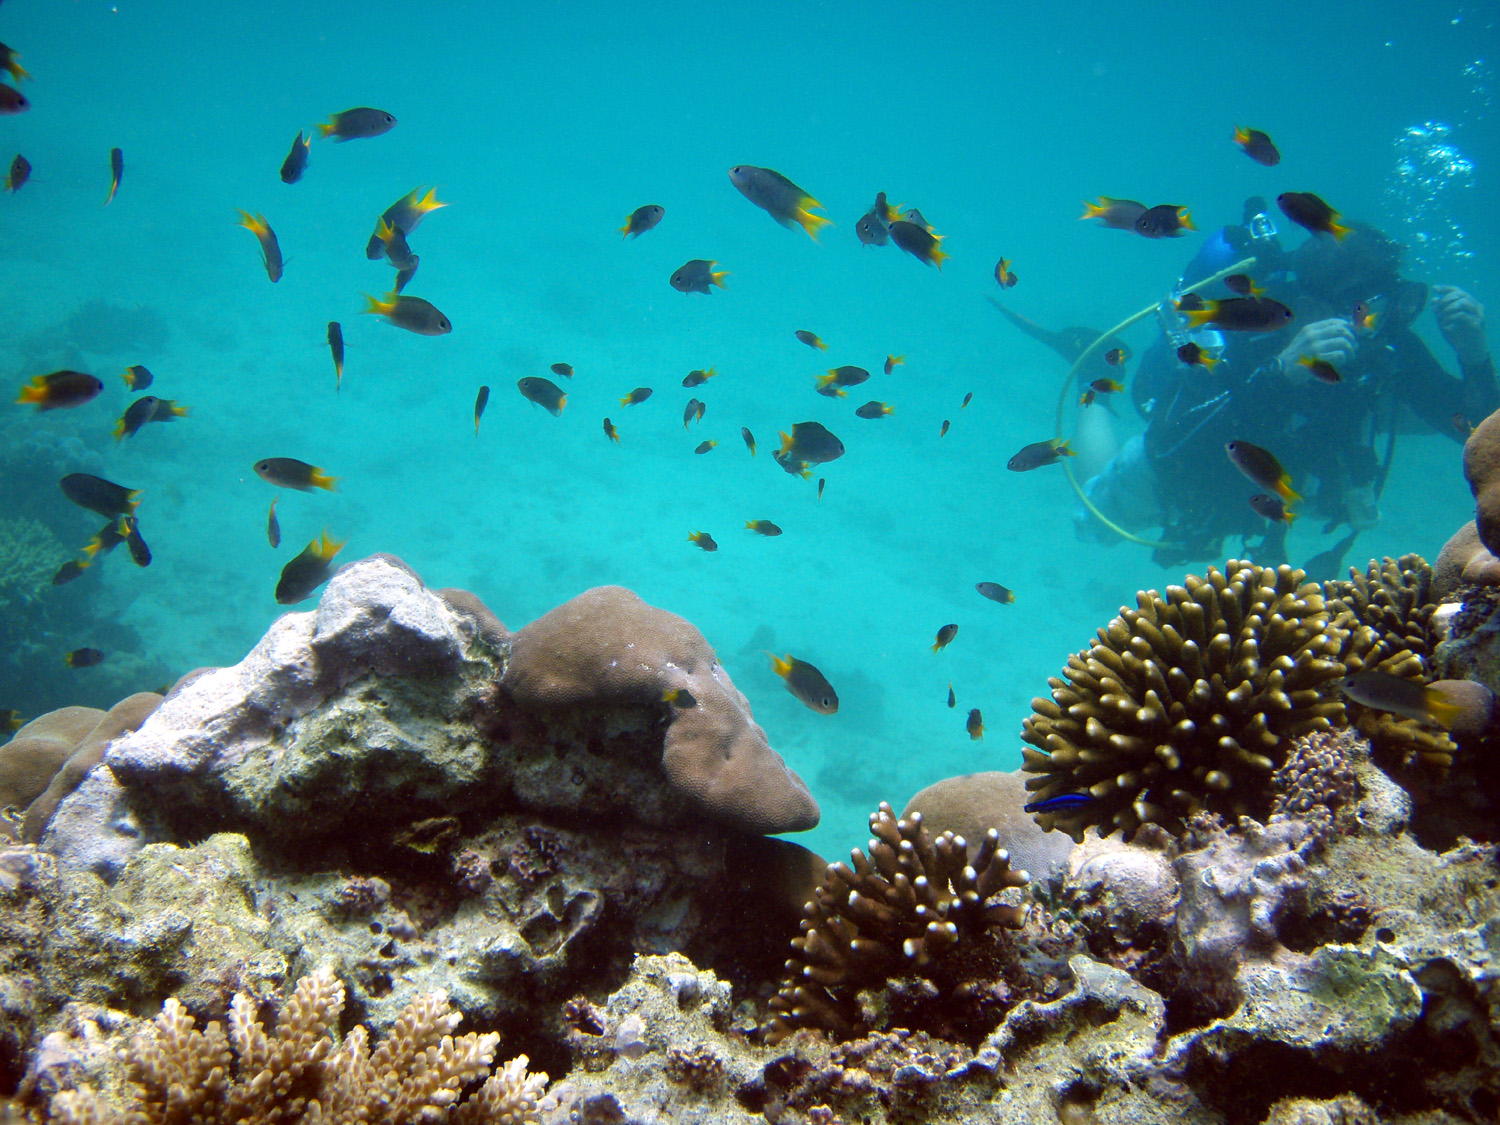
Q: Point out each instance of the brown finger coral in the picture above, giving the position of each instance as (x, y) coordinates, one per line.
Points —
(241, 1074)
(914, 908)
(1183, 704)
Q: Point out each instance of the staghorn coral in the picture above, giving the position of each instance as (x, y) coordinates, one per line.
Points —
(29, 557)
(179, 1074)
(916, 907)
(1183, 704)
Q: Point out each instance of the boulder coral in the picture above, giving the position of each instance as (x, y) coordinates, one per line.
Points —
(607, 647)
(1482, 471)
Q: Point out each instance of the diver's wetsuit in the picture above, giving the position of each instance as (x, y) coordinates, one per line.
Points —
(1315, 429)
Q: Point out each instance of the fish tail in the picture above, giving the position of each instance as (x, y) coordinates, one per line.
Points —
(782, 668)
(131, 503)
(626, 402)
(1289, 516)
(824, 380)
(379, 307)
(1063, 450)
(718, 276)
(1092, 210)
(625, 230)
(1335, 228)
(34, 392)
(429, 202)
(1443, 710)
(786, 442)
(811, 223)
(256, 224)
(179, 411)
(120, 429)
(1197, 318)
(1184, 219)
(1284, 489)
(1209, 361)
(320, 479)
(327, 546)
(938, 257)
(896, 360)
(327, 130)
(17, 71)
(561, 402)
(1241, 135)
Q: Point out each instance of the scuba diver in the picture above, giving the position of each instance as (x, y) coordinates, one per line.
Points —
(1353, 312)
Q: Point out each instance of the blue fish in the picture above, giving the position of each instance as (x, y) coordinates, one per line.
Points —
(1062, 801)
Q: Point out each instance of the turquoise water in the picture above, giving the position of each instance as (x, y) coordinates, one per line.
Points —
(543, 127)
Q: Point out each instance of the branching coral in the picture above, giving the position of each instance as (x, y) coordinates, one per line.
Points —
(913, 908)
(1183, 704)
(179, 1074)
(29, 557)
(1316, 783)
(1387, 614)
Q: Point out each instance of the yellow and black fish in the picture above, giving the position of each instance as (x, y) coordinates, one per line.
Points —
(1165, 220)
(705, 446)
(639, 395)
(975, 725)
(563, 369)
(20, 172)
(1117, 214)
(1037, 454)
(919, 242)
(411, 313)
(1261, 466)
(1426, 703)
(811, 442)
(892, 362)
(805, 682)
(642, 219)
(995, 592)
(1310, 213)
(945, 637)
(137, 378)
(762, 527)
(336, 348)
(689, 412)
(783, 200)
(610, 431)
(873, 409)
(309, 570)
(148, 408)
(544, 392)
(288, 472)
(60, 389)
(130, 532)
(698, 377)
(697, 276)
(810, 339)
(99, 495)
(749, 439)
(83, 658)
(704, 540)
(1004, 276)
(480, 402)
(406, 213)
(296, 160)
(1257, 146)
(270, 249)
(1321, 369)
(116, 173)
(357, 123)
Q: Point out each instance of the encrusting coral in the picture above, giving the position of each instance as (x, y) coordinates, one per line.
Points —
(916, 907)
(178, 1074)
(1184, 704)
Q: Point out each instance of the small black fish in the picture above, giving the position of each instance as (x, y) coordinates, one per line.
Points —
(943, 429)
(1165, 220)
(99, 495)
(749, 439)
(1310, 213)
(563, 369)
(871, 230)
(393, 243)
(137, 378)
(20, 172)
(918, 241)
(1192, 355)
(783, 200)
(83, 658)
(639, 395)
(296, 160)
(952, 699)
(1117, 214)
(642, 219)
(762, 527)
(336, 346)
(610, 431)
(544, 392)
(354, 124)
(995, 592)
(148, 408)
(968, 398)
(309, 570)
(810, 339)
(1261, 466)
(1257, 146)
(1242, 284)
(288, 472)
(846, 376)
(270, 249)
(1271, 508)
(689, 412)
(975, 725)
(480, 403)
(705, 446)
(945, 637)
(1242, 314)
(873, 409)
(805, 682)
(697, 276)
(1037, 454)
(116, 173)
(12, 100)
(70, 570)
(679, 697)
(130, 531)
(109, 537)
(811, 442)
(1321, 369)
(698, 377)
(273, 525)
(704, 540)
(822, 482)
(60, 389)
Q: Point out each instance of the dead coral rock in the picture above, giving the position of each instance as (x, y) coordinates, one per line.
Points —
(971, 804)
(1482, 471)
(123, 718)
(607, 647)
(1124, 897)
(1183, 704)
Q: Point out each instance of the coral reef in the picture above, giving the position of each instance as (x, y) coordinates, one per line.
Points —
(1184, 704)
(29, 556)
(1482, 471)
(607, 647)
(240, 1074)
(971, 804)
(1463, 561)
(917, 908)
(351, 795)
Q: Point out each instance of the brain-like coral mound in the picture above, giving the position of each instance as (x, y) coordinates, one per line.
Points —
(1183, 705)
(916, 917)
